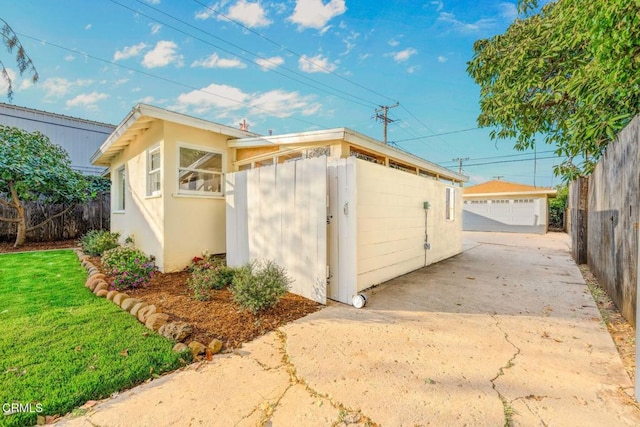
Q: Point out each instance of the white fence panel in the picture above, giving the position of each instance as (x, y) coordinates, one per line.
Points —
(278, 212)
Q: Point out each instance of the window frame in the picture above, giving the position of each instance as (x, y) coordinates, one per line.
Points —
(158, 171)
(120, 188)
(450, 204)
(200, 193)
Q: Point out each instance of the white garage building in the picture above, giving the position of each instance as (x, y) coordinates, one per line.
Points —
(506, 207)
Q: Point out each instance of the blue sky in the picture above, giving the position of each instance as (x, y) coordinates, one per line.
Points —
(285, 66)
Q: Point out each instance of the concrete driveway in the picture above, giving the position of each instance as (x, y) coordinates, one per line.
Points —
(505, 333)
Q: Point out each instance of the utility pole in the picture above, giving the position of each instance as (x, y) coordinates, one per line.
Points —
(381, 114)
(460, 160)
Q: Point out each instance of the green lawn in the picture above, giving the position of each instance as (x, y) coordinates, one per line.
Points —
(60, 345)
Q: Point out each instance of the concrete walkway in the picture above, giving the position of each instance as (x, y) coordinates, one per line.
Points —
(506, 332)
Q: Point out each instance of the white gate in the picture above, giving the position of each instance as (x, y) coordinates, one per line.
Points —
(279, 212)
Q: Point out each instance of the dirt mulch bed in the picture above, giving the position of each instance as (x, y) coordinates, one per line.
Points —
(221, 317)
(623, 334)
(6, 247)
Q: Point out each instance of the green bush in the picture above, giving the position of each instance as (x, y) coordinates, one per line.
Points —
(129, 266)
(96, 242)
(206, 277)
(259, 286)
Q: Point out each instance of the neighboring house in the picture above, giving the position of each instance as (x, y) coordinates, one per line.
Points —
(79, 137)
(507, 207)
(182, 185)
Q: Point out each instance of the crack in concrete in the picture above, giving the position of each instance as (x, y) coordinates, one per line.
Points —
(345, 415)
(508, 409)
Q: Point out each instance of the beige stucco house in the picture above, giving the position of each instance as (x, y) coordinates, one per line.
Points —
(174, 180)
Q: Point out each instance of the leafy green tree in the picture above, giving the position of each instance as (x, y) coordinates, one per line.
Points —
(11, 41)
(568, 72)
(32, 168)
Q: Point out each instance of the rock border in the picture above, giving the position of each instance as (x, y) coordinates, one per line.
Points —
(147, 314)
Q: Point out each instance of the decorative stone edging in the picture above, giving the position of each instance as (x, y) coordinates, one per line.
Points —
(147, 314)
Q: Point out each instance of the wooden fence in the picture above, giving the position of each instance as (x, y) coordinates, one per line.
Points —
(92, 215)
(605, 212)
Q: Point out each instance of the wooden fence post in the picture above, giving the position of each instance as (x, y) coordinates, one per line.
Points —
(579, 219)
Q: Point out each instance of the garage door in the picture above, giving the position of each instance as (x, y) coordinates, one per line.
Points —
(506, 215)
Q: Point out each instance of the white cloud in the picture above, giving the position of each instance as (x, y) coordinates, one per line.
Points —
(59, 86)
(155, 28)
(214, 61)
(281, 104)
(509, 11)
(87, 100)
(364, 56)
(120, 82)
(412, 69)
(270, 63)
(224, 100)
(316, 64)
(153, 1)
(442, 59)
(315, 13)
(403, 55)
(350, 42)
(251, 14)
(324, 30)
(211, 97)
(162, 55)
(465, 27)
(129, 51)
(25, 84)
(393, 42)
(69, 58)
(88, 26)
(147, 100)
(438, 4)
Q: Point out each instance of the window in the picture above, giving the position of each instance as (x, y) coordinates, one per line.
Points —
(153, 172)
(199, 171)
(450, 203)
(119, 188)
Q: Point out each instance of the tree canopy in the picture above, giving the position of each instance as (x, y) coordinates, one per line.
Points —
(32, 168)
(11, 41)
(567, 73)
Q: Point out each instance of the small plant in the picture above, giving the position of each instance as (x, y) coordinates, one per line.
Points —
(205, 277)
(129, 266)
(259, 286)
(96, 242)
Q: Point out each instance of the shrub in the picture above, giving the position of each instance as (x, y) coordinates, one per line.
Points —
(259, 286)
(96, 242)
(129, 267)
(206, 277)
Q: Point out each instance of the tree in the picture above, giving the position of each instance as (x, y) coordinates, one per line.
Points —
(32, 168)
(11, 41)
(568, 73)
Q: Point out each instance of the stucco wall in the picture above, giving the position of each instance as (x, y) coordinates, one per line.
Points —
(143, 218)
(391, 223)
(193, 223)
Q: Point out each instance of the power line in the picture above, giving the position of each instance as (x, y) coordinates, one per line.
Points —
(460, 160)
(505, 156)
(510, 161)
(281, 46)
(155, 76)
(330, 90)
(437, 134)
